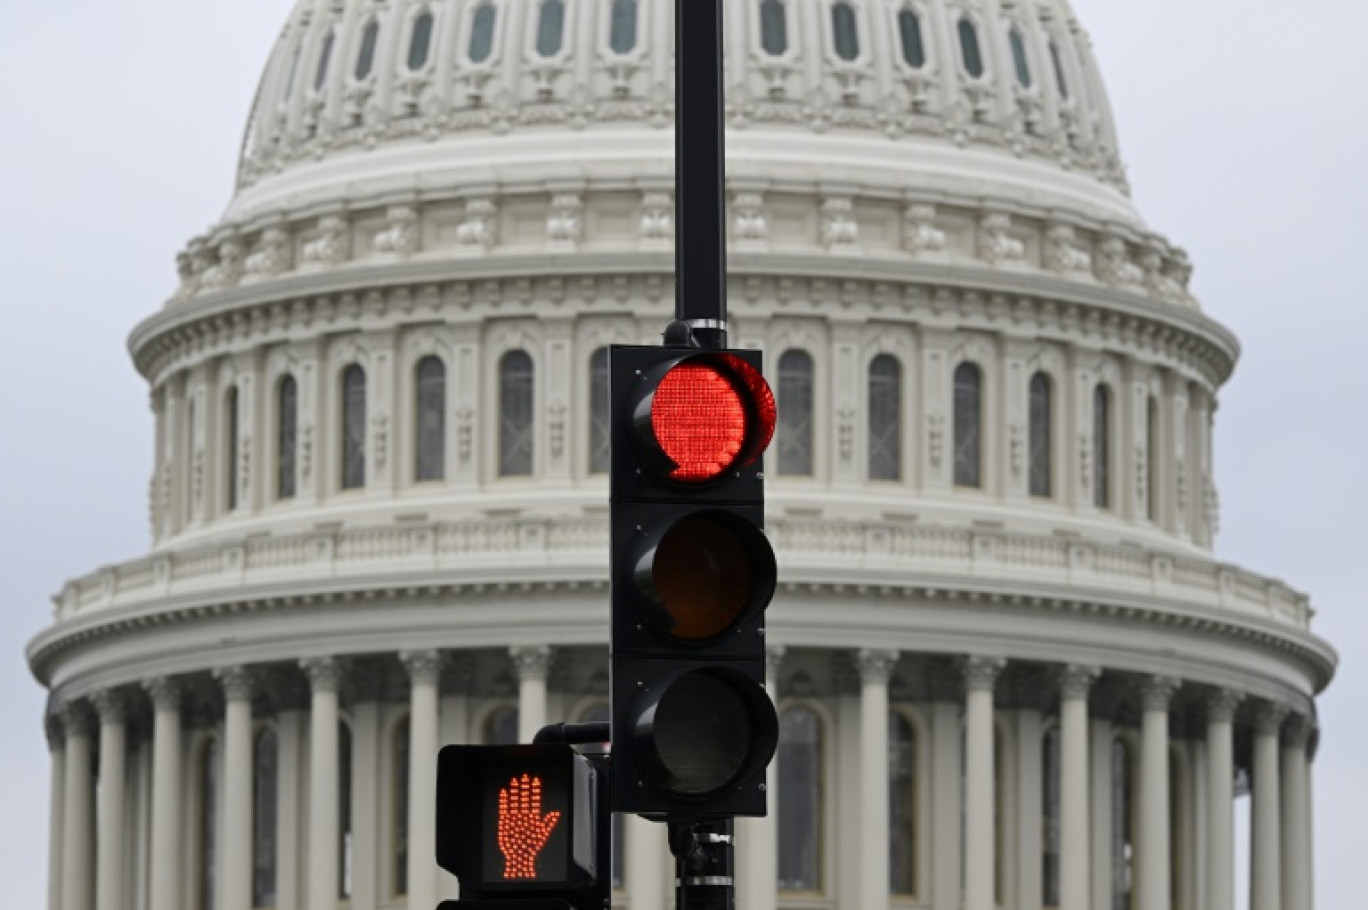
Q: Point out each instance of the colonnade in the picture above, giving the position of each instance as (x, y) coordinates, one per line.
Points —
(95, 861)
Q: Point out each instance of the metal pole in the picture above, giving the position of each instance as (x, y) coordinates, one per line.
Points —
(705, 864)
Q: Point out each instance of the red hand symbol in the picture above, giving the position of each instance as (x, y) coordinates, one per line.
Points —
(522, 828)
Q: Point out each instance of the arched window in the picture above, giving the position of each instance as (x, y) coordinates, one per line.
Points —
(800, 799)
(353, 428)
(599, 714)
(1123, 826)
(910, 36)
(420, 42)
(622, 29)
(969, 47)
(1151, 458)
(1102, 447)
(1041, 434)
(265, 762)
(399, 799)
(515, 414)
(501, 727)
(550, 28)
(902, 805)
(1019, 61)
(599, 425)
(795, 414)
(294, 71)
(324, 60)
(481, 34)
(232, 449)
(365, 57)
(774, 27)
(968, 425)
(1049, 821)
(845, 34)
(345, 845)
(1060, 79)
(208, 824)
(287, 434)
(430, 420)
(885, 418)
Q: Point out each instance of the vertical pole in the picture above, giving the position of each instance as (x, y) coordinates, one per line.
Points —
(705, 864)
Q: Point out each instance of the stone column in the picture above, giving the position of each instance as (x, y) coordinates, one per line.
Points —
(757, 847)
(1074, 782)
(876, 666)
(109, 850)
(235, 869)
(1101, 735)
(980, 861)
(1297, 856)
(645, 859)
(1265, 856)
(78, 835)
(425, 670)
(533, 663)
(56, 736)
(1152, 878)
(1220, 877)
(324, 875)
(166, 793)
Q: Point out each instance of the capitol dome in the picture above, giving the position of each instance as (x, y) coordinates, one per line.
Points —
(1009, 670)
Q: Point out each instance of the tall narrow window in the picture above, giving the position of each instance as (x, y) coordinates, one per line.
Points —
(968, 426)
(550, 28)
(902, 806)
(1041, 434)
(1060, 79)
(1019, 61)
(399, 755)
(845, 33)
(774, 27)
(365, 57)
(910, 36)
(324, 60)
(208, 824)
(885, 418)
(599, 427)
(353, 428)
(265, 763)
(1122, 823)
(430, 420)
(345, 841)
(622, 29)
(1151, 458)
(232, 449)
(1102, 447)
(481, 34)
(800, 799)
(501, 728)
(420, 42)
(795, 414)
(969, 47)
(515, 414)
(287, 432)
(1049, 821)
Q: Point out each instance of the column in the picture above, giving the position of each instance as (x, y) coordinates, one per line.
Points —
(645, 875)
(324, 876)
(1265, 857)
(166, 793)
(289, 800)
(109, 851)
(980, 861)
(1074, 782)
(946, 777)
(56, 736)
(875, 667)
(757, 844)
(370, 869)
(235, 869)
(533, 663)
(1152, 872)
(1296, 816)
(78, 836)
(1220, 713)
(425, 670)
(1100, 738)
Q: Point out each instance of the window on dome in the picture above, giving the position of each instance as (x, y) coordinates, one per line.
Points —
(399, 797)
(845, 31)
(481, 34)
(794, 434)
(287, 424)
(1041, 433)
(265, 762)
(420, 42)
(1102, 447)
(1019, 61)
(1122, 825)
(324, 59)
(345, 840)
(885, 418)
(969, 47)
(208, 824)
(550, 28)
(501, 727)
(799, 814)
(1060, 79)
(515, 414)
(365, 57)
(232, 449)
(599, 425)
(902, 805)
(430, 420)
(1151, 458)
(910, 35)
(968, 425)
(622, 29)
(774, 27)
(1050, 816)
(353, 428)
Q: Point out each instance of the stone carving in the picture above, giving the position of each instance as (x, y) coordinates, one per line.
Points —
(1085, 460)
(1269, 717)
(189, 278)
(164, 693)
(228, 269)
(532, 661)
(996, 244)
(657, 218)
(1211, 506)
(1064, 252)
(329, 247)
(477, 228)
(399, 237)
(306, 440)
(324, 673)
(749, 220)
(981, 673)
(876, 666)
(839, 227)
(919, 225)
(1221, 705)
(1114, 266)
(1157, 691)
(380, 429)
(237, 683)
(1076, 681)
(1016, 447)
(565, 223)
(424, 667)
(270, 257)
(935, 438)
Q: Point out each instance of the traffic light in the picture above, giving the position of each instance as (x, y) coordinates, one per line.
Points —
(692, 573)
(523, 827)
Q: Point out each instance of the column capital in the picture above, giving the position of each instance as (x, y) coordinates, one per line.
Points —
(324, 673)
(876, 665)
(77, 718)
(237, 682)
(110, 705)
(165, 693)
(1269, 716)
(1298, 729)
(55, 731)
(774, 659)
(531, 661)
(1221, 705)
(981, 673)
(1157, 691)
(424, 667)
(1076, 681)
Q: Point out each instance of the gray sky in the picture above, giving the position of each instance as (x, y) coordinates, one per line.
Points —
(1242, 123)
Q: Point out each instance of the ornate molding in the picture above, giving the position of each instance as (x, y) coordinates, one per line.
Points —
(1076, 681)
(424, 667)
(1221, 705)
(875, 665)
(1156, 692)
(533, 662)
(164, 692)
(238, 683)
(1268, 717)
(980, 673)
(324, 673)
(111, 705)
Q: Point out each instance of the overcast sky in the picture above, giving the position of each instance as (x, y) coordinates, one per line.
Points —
(1242, 124)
